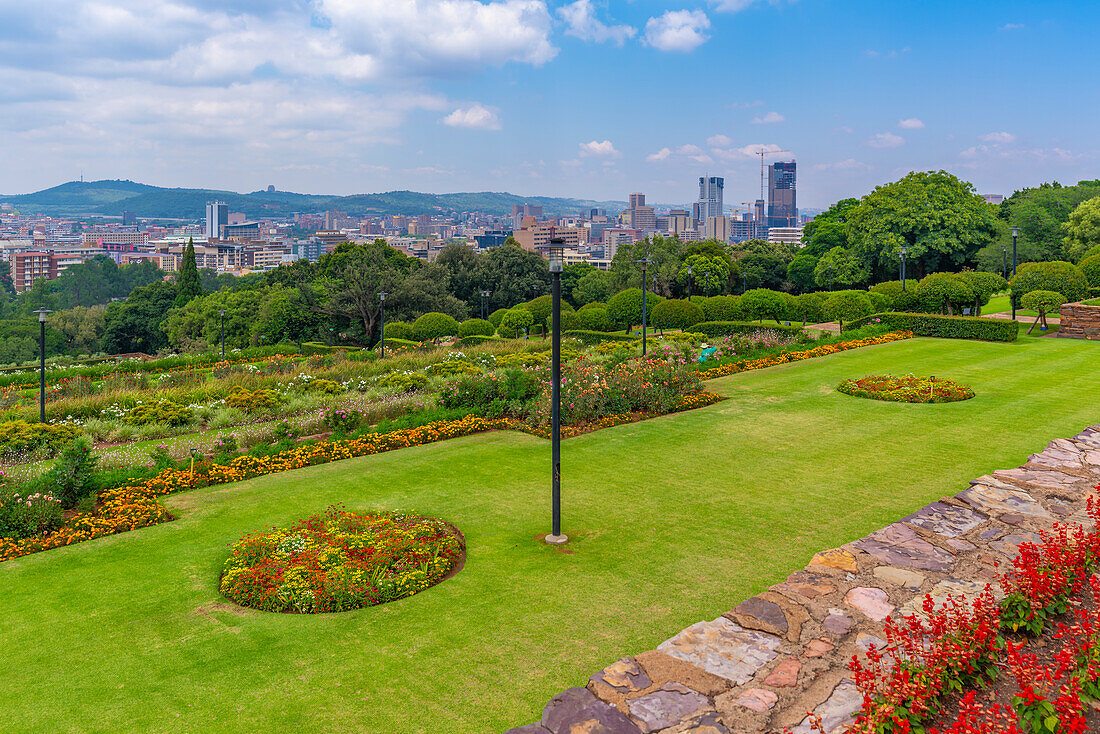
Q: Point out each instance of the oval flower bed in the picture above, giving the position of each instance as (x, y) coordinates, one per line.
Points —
(338, 560)
(907, 389)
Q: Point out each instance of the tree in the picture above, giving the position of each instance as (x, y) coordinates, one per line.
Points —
(1060, 277)
(433, 326)
(82, 327)
(512, 274)
(709, 274)
(1090, 266)
(943, 293)
(662, 270)
(135, 326)
(1083, 229)
(722, 308)
(594, 317)
(515, 322)
(594, 286)
(677, 314)
(940, 219)
(761, 303)
(984, 286)
(1039, 214)
(350, 282)
(625, 307)
(838, 266)
(810, 307)
(1043, 302)
(460, 264)
(188, 284)
(800, 272)
(847, 306)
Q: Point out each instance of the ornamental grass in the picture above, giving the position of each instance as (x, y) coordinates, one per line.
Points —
(908, 389)
(337, 560)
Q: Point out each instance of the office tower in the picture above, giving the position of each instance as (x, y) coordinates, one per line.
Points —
(128, 218)
(519, 211)
(637, 200)
(217, 216)
(642, 216)
(710, 197)
(759, 225)
(782, 206)
(696, 212)
(593, 213)
(718, 228)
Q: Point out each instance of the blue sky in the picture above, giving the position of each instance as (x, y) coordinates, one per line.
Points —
(587, 98)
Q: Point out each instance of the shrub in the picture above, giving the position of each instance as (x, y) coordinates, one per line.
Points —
(625, 307)
(159, 411)
(515, 322)
(404, 381)
(340, 420)
(879, 302)
(1094, 250)
(514, 386)
(398, 330)
(70, 478)
(22, 436)
(594, 318)
(848, 306)
(476, 327)
(809, 307)
(900, 300)
(453, 367)
(1044, 302)
(476, 339)
(396, 343)
(1060, 277)
(762, 303)
(597, 337)
(984, 286)
(947, 327)
(722, 308)
(432, 326)
(25, 514)
(253, 401)
(496, 316)
(676, 314)
(1090, 266)
(728, 328)
(323, 387)
(943, 293)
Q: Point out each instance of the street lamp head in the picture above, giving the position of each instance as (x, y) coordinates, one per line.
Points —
(221, 311)
(555, 253)
(644, 262)
(691, 270)
(42, 313)
(382, 296)
(486, 294)
(904, 250)
(1014, 231)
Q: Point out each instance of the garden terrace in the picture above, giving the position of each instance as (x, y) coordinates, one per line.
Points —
(672, 521)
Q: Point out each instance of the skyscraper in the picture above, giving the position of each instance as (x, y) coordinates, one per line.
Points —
(710, 197)
(782, 205)
(641, 216)
(217, 216)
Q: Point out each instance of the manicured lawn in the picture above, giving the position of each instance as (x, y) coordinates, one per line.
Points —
(1002, 304)
(674, 520)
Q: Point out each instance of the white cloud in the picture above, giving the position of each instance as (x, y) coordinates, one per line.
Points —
(911, 123)
(677, 30)
(688, 151)
(580, 17)
(602, 149)
(1012, 27)
(731, 6)
(660, 155)
(847, 130)
(848, 164)
(745, 105)
(891, 54)
(1001, 137)
(475, 116)
(885, 140)
(747, 151)
(768, 119)
(718, 141)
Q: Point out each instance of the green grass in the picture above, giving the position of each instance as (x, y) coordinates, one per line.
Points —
(673, 521)
(1002, 304)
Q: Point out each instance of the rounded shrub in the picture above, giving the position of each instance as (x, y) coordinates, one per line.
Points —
(515, 322)
(762, 303)
(594, 318)
(879, 302)
(399, 330)
(943, 293)
(496, 316)
(900, 300)
(625, 307)
(1090, 266)
(848, 306)
(1094, 250)
(432, 326)
(676, 314)
(809, 308)
(1060, 277)
(984, 286)
(1042, 301)
(476, 327)
(722, 308)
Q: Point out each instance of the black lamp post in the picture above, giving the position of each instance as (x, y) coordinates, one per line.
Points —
(555, 253)
(645, 286)
(42, 363)
(382, 300)
(1004, 263)
(222, 312)
(1011, 295)
(904, 251)
(691, 271)
(484, 303)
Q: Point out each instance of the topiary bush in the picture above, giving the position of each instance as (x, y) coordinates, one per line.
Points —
(947, 327)
(431, 326)
(476, 327)
(1090, 266)
(722, 308)
(625, 307)
(399, 330)
(1060, 277)
(943, 293)
(594, 317)
(984, 286)
(809, 308)
(597, 337)
(676, 314)
(515, 322)
(847, 306)
(879, 302)
(762, 303)
(900, 300)
(496, 316)
(728, 328)
(1044, 302)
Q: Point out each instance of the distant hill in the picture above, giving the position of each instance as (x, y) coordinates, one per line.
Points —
(110, 198)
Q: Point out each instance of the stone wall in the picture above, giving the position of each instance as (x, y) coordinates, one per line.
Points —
(1079, 321)
(769, 660)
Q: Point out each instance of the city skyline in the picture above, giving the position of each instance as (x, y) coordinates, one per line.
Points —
(339, 97)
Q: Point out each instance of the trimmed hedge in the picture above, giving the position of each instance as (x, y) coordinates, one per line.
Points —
(595, 337)
(478, 339)
(946, 327)
(393, 342)
(726, 328)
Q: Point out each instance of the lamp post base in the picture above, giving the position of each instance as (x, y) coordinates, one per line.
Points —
(556, 539)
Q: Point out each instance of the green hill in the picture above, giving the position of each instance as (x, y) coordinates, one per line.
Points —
(110, 198)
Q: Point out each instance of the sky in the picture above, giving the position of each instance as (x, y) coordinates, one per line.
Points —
(583, 98)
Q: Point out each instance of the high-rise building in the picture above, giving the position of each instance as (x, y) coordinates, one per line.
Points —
(637, 200)
(519, 211)
(710, 197)
(759, 223)
(782, 205)
(718, 228)
(217, 216)
(128, 217)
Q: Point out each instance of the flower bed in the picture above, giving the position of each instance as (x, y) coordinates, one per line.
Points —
(337, 560)
(907, 389)
(746, 365)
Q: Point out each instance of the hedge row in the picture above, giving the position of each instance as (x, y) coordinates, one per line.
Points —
(947, 327)
(726, 328)
(595, 337)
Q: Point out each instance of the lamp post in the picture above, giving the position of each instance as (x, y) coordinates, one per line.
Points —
(484, 303)
(904, 251)
(222, 313)
(1011, 295)
(645, 286)
(1004, 263)
(382, 300)
(555, 253)
(691, 271)
(42, 363)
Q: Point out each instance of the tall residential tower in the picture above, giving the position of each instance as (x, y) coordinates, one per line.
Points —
(710, 197)
(782, 205)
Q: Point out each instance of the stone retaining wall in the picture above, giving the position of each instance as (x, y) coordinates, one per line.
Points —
(1079, 321)
(769, 660)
